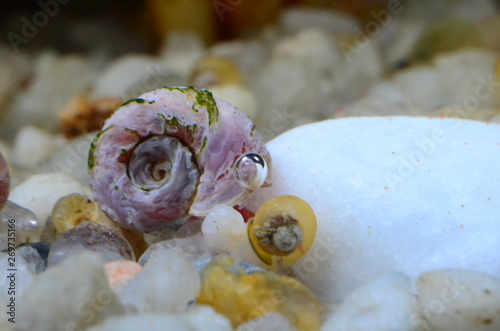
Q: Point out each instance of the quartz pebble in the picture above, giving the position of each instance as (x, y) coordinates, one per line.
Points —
(194, 248)
(81, 115)
(225, 232)
(384, 304)
(380, 187)
(35, 254)
(32, 145)
(18, 220)
(39, 193)
(73, 209)
(70, 159)
(268, 322)
(459, 300)
(167, 284)
(72, 295)
(200, 318)
(242, 297)
(109, 244)
(120, 272)
(24, 275)
(39, 103)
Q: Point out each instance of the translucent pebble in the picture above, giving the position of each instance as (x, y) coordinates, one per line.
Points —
(200, 318)
(251, 171)
(241, 297)
(225, 232)
(245, 266)
(73, 295)
(4, 181)
(167, 284)
(18, 220)
(49, 231)
(73, 209)
(35, 254)
(268, 322)
(120, 272)
(193, 248)
(107, 243)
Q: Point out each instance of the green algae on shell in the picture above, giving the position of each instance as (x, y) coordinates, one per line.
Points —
(170, 154)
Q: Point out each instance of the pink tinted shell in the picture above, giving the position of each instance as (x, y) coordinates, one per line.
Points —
(170, 154)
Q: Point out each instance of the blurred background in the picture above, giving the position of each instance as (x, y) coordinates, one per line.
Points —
(66, 65)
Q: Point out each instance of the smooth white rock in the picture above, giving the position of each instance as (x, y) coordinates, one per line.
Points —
(167, 284)
(200, 318)
(40, 102)
(132, 75)
(385, 304)
(391, 194)
(225, 232)
(32, 145)
(70, 296)
(237, 95)
(459, 300)
(193, 248)
(39, 193)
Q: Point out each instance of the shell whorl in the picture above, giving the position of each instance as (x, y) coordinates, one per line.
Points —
(169, 154)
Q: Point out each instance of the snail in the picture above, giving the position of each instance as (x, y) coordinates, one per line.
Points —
(281, 232)
(283, 227)
(174, 153)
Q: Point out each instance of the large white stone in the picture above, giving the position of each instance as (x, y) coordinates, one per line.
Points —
(391, 194)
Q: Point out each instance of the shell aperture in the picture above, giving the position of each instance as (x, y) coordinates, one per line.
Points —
(170, 154)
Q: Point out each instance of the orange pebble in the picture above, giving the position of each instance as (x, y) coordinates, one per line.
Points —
(120, 272)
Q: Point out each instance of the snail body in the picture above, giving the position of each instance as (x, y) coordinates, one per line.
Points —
(174, 153)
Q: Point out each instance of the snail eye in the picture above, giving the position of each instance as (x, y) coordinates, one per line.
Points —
(283, 227)
(251, 171)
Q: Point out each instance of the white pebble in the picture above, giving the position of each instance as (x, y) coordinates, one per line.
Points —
(225, 232)
(385, 304)
(166, 284)
(70, 296)
(200, 318)
(459, 300)
(39, 193)
(31, 146)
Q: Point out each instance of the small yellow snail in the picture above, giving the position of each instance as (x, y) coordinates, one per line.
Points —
(283, 228)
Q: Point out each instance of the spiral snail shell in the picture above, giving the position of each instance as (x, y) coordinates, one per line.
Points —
(173, 153)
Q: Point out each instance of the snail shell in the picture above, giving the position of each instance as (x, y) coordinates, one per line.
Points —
(172, 153)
